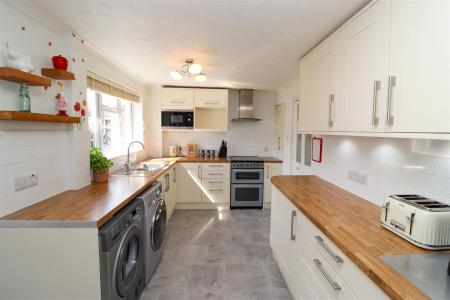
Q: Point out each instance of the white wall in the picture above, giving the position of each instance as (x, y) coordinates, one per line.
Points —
(393, 166)
(59, 155)
(247, 138)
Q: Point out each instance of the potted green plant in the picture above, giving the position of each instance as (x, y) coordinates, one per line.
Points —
(100, 165)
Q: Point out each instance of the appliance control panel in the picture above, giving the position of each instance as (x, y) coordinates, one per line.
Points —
(247, 165)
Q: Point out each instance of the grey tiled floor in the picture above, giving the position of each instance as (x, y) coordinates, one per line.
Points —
(217, 255)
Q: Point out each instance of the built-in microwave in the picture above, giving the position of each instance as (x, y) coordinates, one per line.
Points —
(177, 119)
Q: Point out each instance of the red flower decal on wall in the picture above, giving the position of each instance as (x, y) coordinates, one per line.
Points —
(50, 44)
(73, 59)
(73, 34)
(77, 106)
(23, 28)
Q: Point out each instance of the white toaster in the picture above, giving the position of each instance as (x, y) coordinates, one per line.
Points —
(422, 221)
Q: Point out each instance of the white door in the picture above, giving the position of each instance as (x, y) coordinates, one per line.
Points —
(364, 64)
(318, 92)
(419, 61)
(280, 125)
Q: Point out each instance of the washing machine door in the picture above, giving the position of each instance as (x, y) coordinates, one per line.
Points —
(130, 260)
(159, 226)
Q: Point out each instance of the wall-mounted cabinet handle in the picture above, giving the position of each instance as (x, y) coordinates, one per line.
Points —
(336, 257)
(293, 215)
(333, 283)
(330, 110)
(376, 88)
(389, 118)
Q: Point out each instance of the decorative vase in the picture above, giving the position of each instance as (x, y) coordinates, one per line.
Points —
(60, 62)
(24, 98)
(101, 177)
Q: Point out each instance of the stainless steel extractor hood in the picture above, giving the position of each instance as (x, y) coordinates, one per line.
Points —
(245, 107)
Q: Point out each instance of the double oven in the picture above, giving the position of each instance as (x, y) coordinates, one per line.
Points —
(247, 182)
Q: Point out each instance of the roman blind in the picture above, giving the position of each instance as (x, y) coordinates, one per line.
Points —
(101, 84)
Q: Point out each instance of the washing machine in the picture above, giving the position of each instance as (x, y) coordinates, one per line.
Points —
(122, 254)
(155, 226)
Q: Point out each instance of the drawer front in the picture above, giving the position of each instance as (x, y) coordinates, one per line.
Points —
(216, 191)
(320, 272)
(216, 167)
(211, 98)
(359, 282)
(216, 174)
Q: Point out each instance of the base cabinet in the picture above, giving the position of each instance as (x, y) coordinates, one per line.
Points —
(310, 271)
(270, 170)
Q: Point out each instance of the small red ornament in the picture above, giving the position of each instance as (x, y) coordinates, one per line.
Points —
(60, 62)
(77, 106)
(83, 112)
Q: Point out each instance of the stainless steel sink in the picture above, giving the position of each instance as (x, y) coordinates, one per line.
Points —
(142, 170)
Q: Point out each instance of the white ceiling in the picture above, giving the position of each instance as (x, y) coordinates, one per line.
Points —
(240, 43)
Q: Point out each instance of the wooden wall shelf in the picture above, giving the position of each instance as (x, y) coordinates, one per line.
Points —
(18, 76)
(36, 117)
(58, 74)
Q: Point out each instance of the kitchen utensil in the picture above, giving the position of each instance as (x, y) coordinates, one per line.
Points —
(174, 150)
(191, 150)
(223, 149)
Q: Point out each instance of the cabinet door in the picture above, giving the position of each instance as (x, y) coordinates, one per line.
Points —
(318, 87)
(211, 98)
(282, 225)
(189, 183)
(177, 98)
(364, 55)
(419, 61)
(270, 170)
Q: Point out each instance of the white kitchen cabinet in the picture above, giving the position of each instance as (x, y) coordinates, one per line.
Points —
(318, 87)
(420, 63)
(211, 98)
(177, 98)
(313, 269)
(169, 183)
(270, 170)
(204, 183)
(189, 183)
(364, 57)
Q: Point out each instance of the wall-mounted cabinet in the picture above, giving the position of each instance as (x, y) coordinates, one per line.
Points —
(385, 71)
(210, 106)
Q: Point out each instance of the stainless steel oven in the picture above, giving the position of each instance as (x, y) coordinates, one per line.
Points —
(247, 182)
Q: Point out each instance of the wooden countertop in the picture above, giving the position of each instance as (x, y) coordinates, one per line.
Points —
(95, 204)
(352, 223)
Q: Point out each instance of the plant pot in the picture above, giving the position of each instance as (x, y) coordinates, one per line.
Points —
(101, 177)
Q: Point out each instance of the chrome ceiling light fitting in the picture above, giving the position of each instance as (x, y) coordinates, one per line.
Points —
(189, 69)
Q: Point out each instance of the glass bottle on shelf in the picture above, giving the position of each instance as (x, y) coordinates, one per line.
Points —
(24, 98)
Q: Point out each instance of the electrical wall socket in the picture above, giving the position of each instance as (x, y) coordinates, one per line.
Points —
(357, 176)
(24, 182)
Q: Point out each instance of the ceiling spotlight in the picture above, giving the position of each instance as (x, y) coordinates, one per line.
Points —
(175, 75)
(195, 69)
(189, 68)
(201, 77)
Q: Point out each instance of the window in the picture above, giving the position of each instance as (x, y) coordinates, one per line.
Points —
(110, 123)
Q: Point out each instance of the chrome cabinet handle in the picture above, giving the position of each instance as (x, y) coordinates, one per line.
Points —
(174, 175)
(214, 174)
(293, 215)
(319, 266)
(215, 166)
(198, 172)
(215, 190)
(389, 118)
(167, 183)
(376, 88)
(268, 172)
(215, 181)
(336, 257)
(278, 146)
(298, 110)
(330, 107)
(177, 101)
(212, 103)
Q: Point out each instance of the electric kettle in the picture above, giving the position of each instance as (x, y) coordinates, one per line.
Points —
(174, 150)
